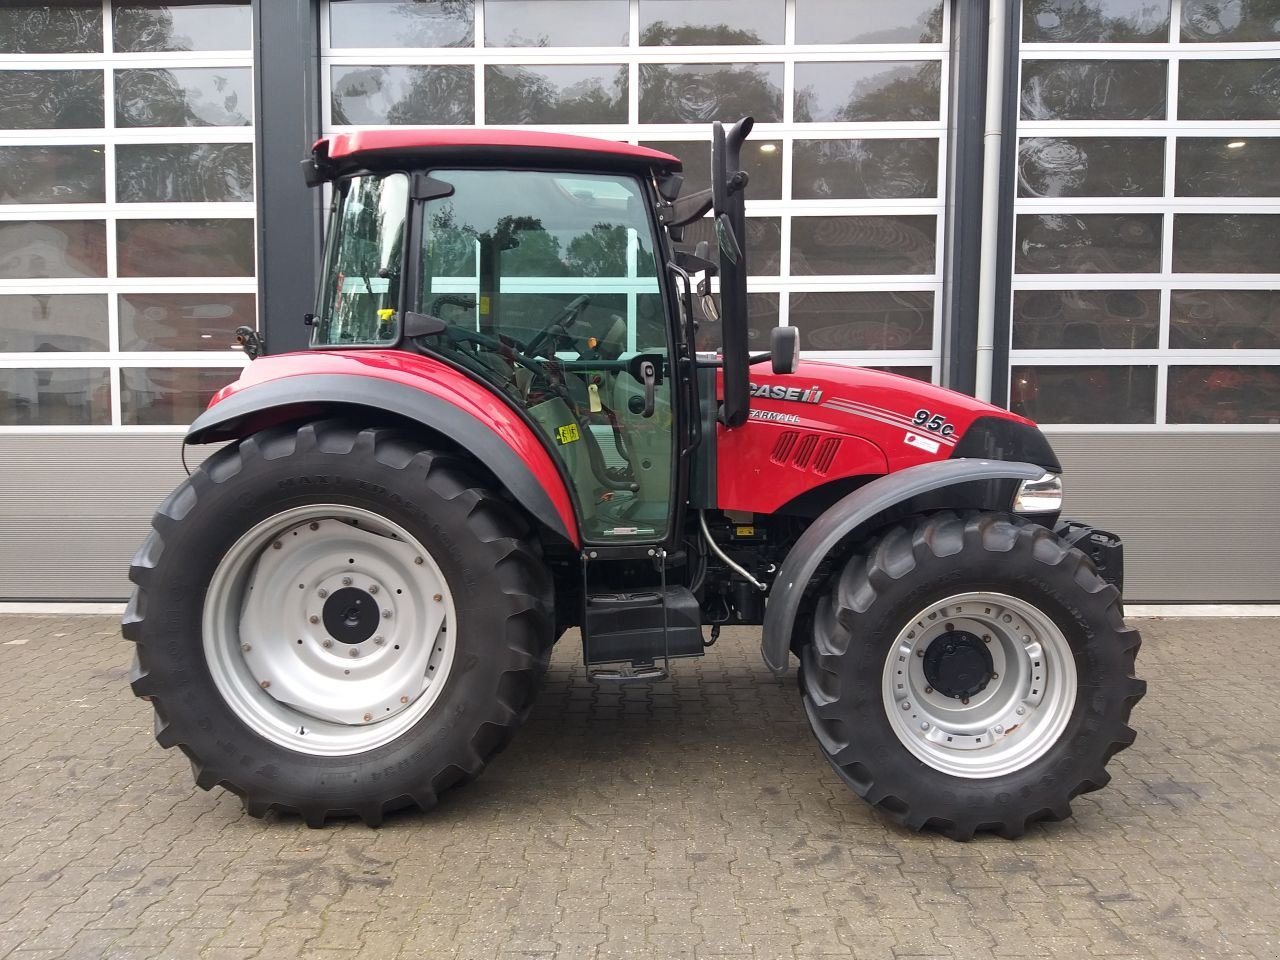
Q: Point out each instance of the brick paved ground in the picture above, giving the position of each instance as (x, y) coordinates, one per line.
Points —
(691, 820)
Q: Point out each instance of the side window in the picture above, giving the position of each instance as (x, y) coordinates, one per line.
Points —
(548, 285)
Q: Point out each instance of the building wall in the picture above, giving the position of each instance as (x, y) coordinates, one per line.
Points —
(1145, 282)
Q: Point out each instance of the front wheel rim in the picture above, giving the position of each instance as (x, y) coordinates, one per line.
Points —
(1017, 715)
(329, 630)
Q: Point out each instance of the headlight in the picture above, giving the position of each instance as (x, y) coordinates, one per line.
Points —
(1039, 496)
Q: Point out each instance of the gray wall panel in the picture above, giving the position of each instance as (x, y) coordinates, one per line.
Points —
(1197, 511)
(74, 508)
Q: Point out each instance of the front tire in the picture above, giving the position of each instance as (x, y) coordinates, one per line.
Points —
(970, 674)
(332, 620)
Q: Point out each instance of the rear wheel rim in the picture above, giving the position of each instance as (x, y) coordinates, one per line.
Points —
(1019, 712)
(329, 630)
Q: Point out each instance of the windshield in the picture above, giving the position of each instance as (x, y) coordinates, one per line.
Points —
(362, 262)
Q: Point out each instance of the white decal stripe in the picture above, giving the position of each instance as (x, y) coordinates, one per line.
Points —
(887, 417)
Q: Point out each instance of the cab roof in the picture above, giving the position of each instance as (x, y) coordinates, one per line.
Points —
(484, 145)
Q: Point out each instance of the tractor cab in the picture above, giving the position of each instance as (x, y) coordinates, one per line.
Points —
(545, 270)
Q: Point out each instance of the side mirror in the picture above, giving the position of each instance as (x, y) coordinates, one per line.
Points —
(784, 349)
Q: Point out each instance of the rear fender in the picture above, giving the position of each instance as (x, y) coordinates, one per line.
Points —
(928, 483)
(279, 388)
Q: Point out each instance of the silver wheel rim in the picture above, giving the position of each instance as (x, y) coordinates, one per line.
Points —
(268, 642)
(1010, 723)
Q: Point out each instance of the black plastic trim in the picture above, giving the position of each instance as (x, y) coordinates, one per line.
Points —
(844, 519)
(999, 438)
(226, 421)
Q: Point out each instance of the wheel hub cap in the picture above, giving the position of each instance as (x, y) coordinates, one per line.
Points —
(350, 615)
(958, 665)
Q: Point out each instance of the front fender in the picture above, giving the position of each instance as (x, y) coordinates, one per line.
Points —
(417, 388)
(845, 517)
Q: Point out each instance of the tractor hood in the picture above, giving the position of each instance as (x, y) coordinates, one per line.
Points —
(829, 421)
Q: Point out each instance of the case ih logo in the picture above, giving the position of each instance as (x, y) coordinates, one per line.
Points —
(768, 391)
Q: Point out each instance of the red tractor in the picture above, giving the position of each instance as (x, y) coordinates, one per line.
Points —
(503, 430)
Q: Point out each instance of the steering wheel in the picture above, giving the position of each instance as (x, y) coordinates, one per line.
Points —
(565, 318)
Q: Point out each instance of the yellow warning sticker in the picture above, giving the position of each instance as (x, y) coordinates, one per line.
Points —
(567, 434)
(744, 531)
(484, 306)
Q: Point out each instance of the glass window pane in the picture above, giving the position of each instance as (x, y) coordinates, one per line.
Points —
(883, 92)
(764, 243)
(1221, 394)
(864, 169)
(1226, 243)
(401, 23)
(63, 396)
(702, 92)
(50, 99)
(923, 374)
(1227, 167)
(1229, 90)
(1095, 21)
(1093, 89)
(868, 21)
(1084, 394)
(411, 95)
(1088, 243)
(35, 249)
(169, 396)
(51, 28)
(1230, 21)
(52, 174)
(183, 321)
(556, 23)
(863, 245)
(559, 93)
(1224, 320)
(60, 323)
(863, 320)
(183, 26)
(1086, 319)
(1091, 167)
(185, 97)
(185, 248)
(679, 23)
(762, 159)
(175, 172)
(762, 317)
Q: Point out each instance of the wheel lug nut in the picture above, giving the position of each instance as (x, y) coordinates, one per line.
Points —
(277, 545)
(346, 581)
(1020, 711)
(245, 647)
(999, 728)
(906, 705)
(1007, 619)
(924, 724)
(386, 614)
(986, 638)
(436, 597)
(418, 561)
(404, 699)
(326, 644)
(355, 653)
(367, 717)
(373, 588)
(965, 701)
(314, 619)
(928, 689)
(315, 526)
(995, 676)
(264, 684)
(379, 640)
(949, 626)
(322, 593)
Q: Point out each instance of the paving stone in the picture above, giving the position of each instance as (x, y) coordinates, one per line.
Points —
(693, 819)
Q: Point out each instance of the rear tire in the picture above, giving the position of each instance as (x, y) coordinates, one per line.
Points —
(232, 583)
(970, 674)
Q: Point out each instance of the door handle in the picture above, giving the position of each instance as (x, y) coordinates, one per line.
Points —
(649, 377)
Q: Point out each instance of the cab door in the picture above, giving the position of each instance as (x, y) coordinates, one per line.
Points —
(548, 286)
